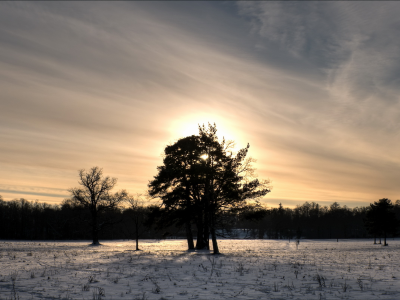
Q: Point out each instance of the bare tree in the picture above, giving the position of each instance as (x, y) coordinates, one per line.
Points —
(94, 194)
(138, 213)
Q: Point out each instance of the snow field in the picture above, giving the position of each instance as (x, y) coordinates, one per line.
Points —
(247, 269)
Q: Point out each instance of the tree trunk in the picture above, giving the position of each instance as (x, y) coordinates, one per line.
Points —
(374, 239)
(214, 241)
(214, 236)
(137, 232)
(95, 229)
(202, 232)
(384, 239)
(206, 235)
(189, 236)
(200, 242)
(188, 226)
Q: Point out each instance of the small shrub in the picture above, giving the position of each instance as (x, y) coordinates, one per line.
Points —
(345, 286)
(14, 276)
(92, 279)
(156, 290)
(98, 293)
(43, 274)
(240, 269)
(142, 297)
(321, 280)
(276, 287)
(360, 284)
(86, 287)
(14, 294)
(275, 265)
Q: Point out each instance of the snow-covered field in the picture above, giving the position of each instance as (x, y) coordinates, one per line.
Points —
(247, 269)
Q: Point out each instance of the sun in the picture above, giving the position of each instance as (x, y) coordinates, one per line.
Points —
(189, 125)
(204, 156)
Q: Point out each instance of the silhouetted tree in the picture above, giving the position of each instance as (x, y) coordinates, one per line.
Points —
(95, 195)
(138, 214)
(3, 210)
(381, 219)
(176, 183)
(396, 208)
(228, 179)
(202, 177)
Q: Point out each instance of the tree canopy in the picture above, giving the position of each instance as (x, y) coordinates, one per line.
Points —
(202, 177)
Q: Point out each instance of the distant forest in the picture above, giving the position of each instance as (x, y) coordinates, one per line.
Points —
(24, 220)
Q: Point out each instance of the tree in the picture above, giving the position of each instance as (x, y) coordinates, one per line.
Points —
(381, 219)
(175, 183)
(138, 213)
(202, 178)
(95, 195)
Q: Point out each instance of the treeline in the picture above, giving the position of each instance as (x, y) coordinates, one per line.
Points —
(24, 220)
(309, 220)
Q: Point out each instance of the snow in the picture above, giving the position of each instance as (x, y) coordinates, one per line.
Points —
(247, 269)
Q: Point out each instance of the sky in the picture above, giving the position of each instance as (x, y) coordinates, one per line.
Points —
(313, 87)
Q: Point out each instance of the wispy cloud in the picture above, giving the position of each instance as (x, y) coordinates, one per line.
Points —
(313, 86)
(349, 138)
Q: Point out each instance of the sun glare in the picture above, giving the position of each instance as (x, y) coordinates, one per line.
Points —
(204, 156)
(189, 125)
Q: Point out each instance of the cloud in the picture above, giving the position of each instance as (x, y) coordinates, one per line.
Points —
(347, 130)
(353, 44)
(312, 86)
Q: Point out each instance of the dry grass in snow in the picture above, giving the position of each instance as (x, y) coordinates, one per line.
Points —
(247, 269)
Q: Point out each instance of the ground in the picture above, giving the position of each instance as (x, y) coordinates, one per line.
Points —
(247, 269)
